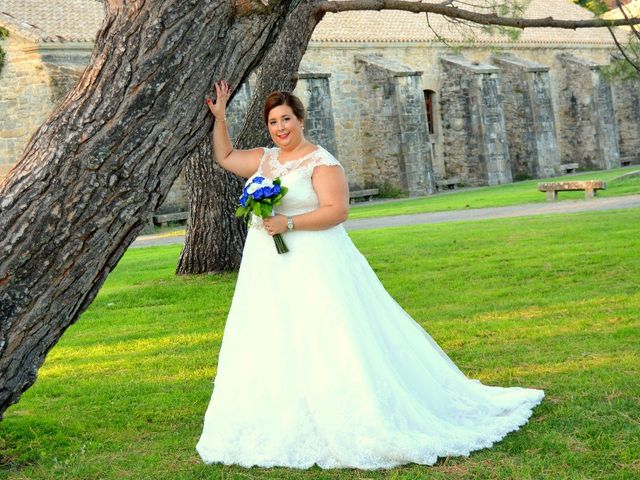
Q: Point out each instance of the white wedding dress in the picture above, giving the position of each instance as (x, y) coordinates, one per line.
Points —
(320, 365)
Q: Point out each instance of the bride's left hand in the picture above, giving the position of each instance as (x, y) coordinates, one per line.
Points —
(275, 225)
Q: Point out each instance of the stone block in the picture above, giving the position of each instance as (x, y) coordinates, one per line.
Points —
(588, 133)
(529, 116)
(476, 147)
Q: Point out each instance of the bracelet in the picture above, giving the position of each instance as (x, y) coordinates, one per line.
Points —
(223, 119)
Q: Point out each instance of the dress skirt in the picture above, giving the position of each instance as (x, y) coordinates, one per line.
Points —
(320, 365)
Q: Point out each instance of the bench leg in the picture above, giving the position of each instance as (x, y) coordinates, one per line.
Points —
(589, 193)
(552, 196)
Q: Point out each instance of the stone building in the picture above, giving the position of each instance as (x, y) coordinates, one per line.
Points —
(499, 108)
(48, 47)
(385, 95)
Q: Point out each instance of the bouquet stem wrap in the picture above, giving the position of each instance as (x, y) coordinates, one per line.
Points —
(281, 247)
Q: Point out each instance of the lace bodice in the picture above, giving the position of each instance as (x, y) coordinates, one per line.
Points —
(296, 176)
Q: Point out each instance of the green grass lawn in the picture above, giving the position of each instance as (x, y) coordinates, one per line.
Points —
(500, 195)
(550, 302)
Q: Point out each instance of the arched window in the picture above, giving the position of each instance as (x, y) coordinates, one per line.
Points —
(429, 95)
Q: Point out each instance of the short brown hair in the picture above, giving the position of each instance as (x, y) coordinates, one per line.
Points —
(275, 99)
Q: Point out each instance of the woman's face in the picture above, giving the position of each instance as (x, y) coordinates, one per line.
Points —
(284, 127)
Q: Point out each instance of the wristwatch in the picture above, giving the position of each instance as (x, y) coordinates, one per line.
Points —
(289, 223)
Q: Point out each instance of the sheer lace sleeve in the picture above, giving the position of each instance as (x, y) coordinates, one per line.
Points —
(319, 158)
(265, 161)
(272, 168)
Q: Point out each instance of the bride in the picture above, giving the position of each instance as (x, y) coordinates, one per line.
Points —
(319, 364)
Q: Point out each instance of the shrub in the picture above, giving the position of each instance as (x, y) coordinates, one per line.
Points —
(387, 189)
(3, 33)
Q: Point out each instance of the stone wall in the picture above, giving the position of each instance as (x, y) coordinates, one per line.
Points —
(346, 94)
(64, 63)
(587, 131)
(626, 100)
(36, 76)
(380, 144)
(394, 122)
(475, 147)
(314, 91)
(414, 135)
(339, 59)
(177, 198)
(237, 108)
(529, 117)
(25, 100)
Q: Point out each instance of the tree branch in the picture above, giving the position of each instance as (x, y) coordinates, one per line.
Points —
(447, 10)
(248, 7)
(622, 51)
(622, 8)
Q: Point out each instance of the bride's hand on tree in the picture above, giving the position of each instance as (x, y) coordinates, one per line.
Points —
(275, 225)
(219, 107)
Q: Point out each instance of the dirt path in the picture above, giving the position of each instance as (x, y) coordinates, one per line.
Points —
(567, 206)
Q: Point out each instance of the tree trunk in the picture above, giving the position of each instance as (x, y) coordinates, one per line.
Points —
(106, 158)
(214, 237)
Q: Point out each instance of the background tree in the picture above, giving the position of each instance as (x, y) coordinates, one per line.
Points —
(3, 33)
(214, 237)
(105, 159)
(626, 65)
(596, 6)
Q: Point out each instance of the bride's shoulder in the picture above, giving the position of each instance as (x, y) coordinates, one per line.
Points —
(325, 157)
(269, 150)
(268, 153)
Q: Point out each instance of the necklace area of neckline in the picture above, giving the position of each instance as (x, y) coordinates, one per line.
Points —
(288, 162)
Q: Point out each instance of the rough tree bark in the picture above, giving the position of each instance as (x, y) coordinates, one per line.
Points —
(107, 156)
(214, 237)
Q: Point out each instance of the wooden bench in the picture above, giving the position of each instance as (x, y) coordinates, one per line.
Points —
(448, 183)
(163, 219)
(589, 186)
(569, 167)
(367, 194)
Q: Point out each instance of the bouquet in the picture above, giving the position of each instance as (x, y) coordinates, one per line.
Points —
(258, 197)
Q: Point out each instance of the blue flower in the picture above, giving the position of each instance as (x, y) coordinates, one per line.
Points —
(257, 180)
(243, 200)
(258, 194)
(275, 190)
(267, 191)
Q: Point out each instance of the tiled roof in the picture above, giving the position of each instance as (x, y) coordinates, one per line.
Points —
(79, 21)
(398, 26)
(53, 20)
